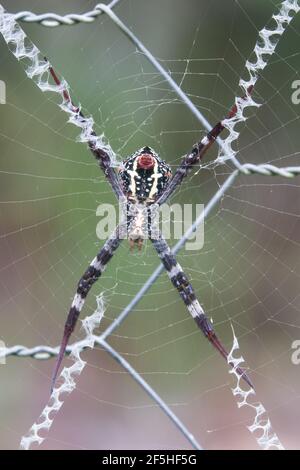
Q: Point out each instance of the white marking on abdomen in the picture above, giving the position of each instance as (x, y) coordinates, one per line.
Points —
(155, 176)
(132, 174)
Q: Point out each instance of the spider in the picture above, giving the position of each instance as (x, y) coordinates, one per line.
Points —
(143, 180)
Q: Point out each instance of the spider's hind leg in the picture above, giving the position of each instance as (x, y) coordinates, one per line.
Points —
(186, 292)
(91, 275)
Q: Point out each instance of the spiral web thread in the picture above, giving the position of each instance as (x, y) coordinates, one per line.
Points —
(37, 69)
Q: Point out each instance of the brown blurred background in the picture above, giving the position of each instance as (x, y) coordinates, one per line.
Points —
(246, 275)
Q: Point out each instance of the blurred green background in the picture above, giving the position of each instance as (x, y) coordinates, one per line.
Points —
(246, 275)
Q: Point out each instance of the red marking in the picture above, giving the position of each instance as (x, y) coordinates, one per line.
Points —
(146, 161)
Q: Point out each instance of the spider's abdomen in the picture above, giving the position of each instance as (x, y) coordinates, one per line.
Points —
(144, 175)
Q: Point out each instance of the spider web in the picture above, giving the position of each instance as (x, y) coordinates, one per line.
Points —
(245, 276)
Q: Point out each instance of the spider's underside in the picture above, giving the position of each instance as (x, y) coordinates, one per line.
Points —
(142, 181)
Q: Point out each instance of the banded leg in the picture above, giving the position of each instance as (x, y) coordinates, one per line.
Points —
(186, 292)
(102, 157)
(91, 275)
(197, 153)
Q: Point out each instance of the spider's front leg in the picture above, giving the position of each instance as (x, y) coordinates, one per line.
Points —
(91, 275)
(197, 153)
(100, 154)
(186, 291)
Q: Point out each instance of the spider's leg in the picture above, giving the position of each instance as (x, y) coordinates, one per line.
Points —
(102, 157)
(186, 291)
(197, 153)
(91, 275)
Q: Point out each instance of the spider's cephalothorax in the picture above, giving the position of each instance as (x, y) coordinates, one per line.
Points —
(144, 176)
